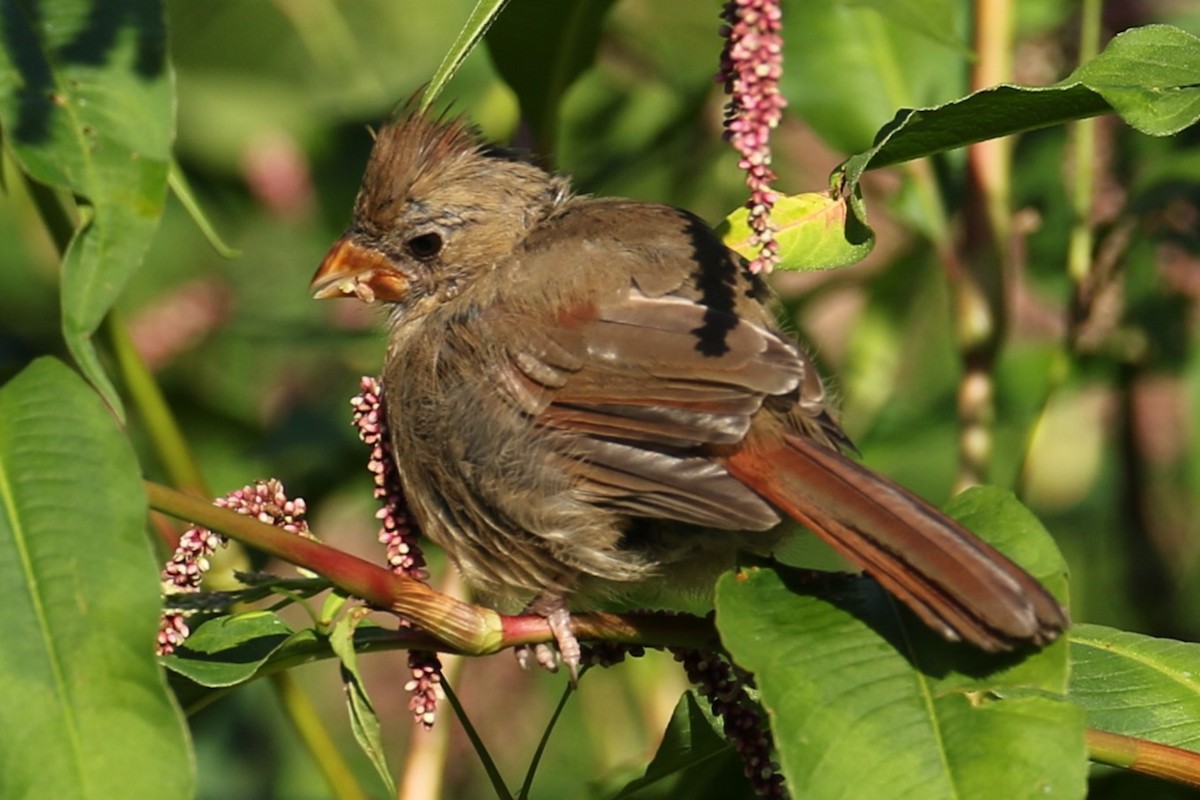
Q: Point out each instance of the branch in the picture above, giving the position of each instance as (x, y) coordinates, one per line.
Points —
(1149, 758)
(457, 626)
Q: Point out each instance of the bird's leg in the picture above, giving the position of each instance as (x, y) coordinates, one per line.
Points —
(552, 606)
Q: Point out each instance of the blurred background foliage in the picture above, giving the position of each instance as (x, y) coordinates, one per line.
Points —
(275, 100)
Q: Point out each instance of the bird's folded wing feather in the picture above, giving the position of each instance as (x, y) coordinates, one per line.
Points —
(637, 389)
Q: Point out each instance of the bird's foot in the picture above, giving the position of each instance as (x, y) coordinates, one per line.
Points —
(554, 609)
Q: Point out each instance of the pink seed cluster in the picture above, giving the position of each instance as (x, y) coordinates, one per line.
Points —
(751, 65)
(725, 688)
(396, 533)
(399, 536)
(267, 502)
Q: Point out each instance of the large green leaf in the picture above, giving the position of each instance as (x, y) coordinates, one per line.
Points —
(86, 104)
(84, 711)
(866, 702)
(1137, 685)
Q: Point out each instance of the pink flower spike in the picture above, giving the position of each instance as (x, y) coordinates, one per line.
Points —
(399, 536)
(751, 65)
(184, 573)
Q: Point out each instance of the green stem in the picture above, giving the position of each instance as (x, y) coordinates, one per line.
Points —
(489, 766)
(1149, 758)
(527, 785)
(1079, 250)
(982, 277)
(316, 738)
(164, 432)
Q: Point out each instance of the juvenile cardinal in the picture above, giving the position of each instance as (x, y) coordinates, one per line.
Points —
(588, 394)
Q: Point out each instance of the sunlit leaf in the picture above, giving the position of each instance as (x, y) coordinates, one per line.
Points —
(867, 702)
(84, 710)
(1137, 685)
(483, 16)
(812, 230)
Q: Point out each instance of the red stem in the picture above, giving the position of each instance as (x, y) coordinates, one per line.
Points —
(1149, 758)
(461, 627)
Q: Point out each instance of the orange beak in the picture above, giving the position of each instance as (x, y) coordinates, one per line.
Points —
(351, 270)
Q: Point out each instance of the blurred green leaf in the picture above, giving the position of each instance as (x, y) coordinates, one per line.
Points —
(936, 19)
(84, 711)
(566, 36)
(867, 702)
(812, 230)
(848, 67)
(694, 760)
(86, 102)
(1137, 685)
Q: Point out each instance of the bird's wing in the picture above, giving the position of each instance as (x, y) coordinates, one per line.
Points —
(642, 391)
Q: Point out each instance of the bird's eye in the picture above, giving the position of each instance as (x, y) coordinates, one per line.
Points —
(425, 246)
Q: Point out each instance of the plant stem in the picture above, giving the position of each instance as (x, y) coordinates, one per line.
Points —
(527, 784)
(1079, 252)
(1149, 758)
(462, 626)
(980, 285)
(489, 766)
(459, 627)
(165, 434)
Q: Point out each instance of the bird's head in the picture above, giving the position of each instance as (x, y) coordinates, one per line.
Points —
(437, 207)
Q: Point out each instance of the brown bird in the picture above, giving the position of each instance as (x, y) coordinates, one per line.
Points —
(588, 394)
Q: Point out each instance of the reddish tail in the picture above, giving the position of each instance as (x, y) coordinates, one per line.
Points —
(958, 584)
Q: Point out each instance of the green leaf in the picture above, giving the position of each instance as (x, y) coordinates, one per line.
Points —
(694, 760)
(986, 114)
(84, 710)
(482, 17)
(86, 103)
(566, 34)
(229, 650)
(1150, 76)
(814, 232)
(363, 719)
(867, 702)
(178, 182)
(1137, 685)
